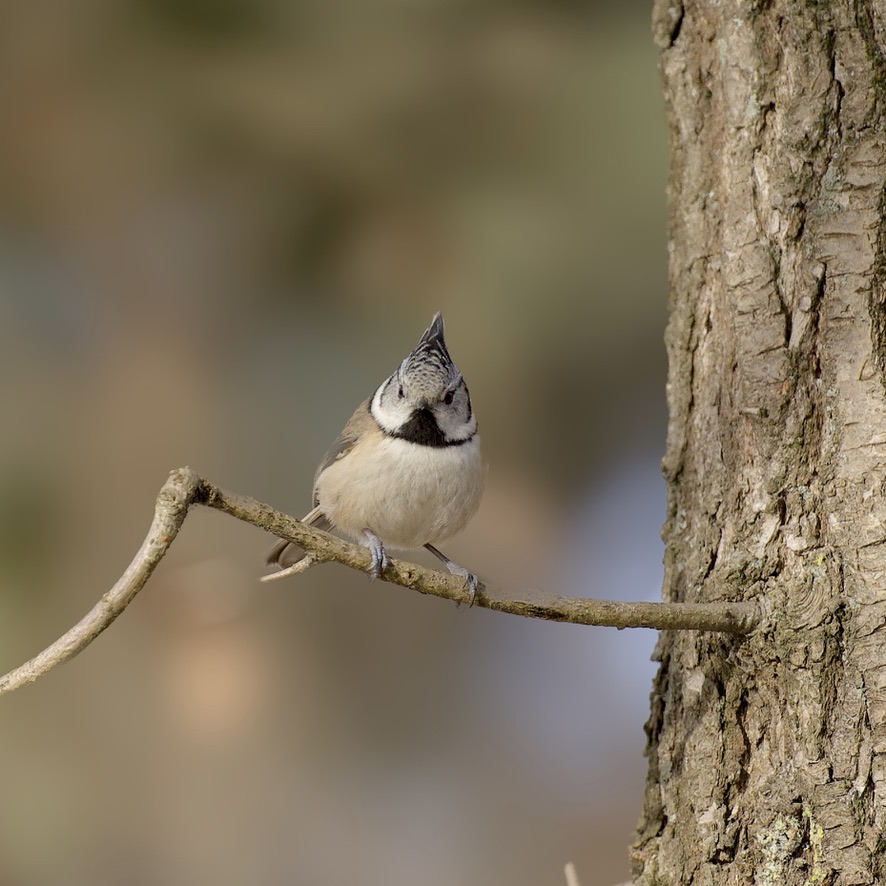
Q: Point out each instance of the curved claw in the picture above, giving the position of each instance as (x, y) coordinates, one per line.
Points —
(380, 561)
(470, 581)
(472, 588)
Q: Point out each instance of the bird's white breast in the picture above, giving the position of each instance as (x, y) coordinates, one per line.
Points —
(405, 493)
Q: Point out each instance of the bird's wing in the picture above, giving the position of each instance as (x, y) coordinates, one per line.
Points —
(358, 424)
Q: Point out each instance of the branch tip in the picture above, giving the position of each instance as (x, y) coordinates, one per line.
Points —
(302, 565)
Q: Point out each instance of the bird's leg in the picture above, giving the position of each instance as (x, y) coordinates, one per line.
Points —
(455, 569)
(379, 556)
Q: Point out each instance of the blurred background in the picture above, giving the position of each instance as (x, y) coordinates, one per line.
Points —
(222, 224)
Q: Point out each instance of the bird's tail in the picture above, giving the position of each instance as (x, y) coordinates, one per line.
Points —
(285, 553)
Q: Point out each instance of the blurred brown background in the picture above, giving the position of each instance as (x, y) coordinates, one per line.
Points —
(222, 224)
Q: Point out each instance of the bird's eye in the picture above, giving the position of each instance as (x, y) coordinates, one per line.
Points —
(400, 392)
(448, 398)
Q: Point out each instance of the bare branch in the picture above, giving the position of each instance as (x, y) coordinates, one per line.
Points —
(175, 498)
(185, 488)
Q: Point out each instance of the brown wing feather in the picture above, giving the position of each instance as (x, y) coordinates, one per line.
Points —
(285, 553)
(358, 424)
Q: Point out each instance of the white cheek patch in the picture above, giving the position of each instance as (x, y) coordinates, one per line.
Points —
(455, 428)
(390, 413)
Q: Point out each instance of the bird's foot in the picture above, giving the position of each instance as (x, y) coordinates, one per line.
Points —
(455, 569)
(380, 561)
(470, 580)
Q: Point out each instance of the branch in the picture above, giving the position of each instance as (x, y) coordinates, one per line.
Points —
(185, 488)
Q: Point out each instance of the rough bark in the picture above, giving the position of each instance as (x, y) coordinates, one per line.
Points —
(767, 754)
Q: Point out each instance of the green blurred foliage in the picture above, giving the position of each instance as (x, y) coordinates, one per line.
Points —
(222, 223)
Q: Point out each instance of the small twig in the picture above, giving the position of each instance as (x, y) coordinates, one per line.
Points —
(185, 488)
(297, 568)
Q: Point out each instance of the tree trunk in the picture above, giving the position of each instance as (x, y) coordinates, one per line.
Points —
(767, 755)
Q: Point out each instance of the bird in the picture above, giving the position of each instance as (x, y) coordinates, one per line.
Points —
(407, 470)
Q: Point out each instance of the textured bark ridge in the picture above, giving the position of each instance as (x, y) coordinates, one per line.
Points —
(767, 755)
